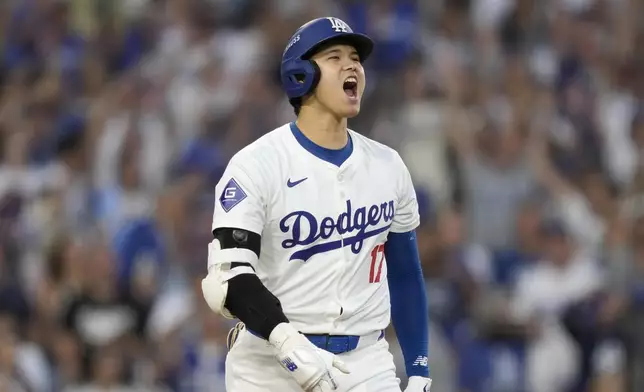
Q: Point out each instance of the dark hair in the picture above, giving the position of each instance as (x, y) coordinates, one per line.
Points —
(297, 105)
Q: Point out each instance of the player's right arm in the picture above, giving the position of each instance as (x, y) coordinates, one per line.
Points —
(232, 287)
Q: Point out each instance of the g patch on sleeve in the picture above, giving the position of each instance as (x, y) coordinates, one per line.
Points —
(232, 195)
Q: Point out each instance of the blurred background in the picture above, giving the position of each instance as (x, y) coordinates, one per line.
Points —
(521, 122)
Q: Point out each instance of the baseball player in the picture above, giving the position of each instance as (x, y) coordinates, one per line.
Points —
(314, 248)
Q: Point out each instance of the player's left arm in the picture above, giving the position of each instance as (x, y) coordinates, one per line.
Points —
(409, 309)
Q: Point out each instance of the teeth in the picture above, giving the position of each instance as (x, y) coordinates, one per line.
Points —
(351, 79)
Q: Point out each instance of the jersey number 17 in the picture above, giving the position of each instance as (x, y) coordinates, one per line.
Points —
(377, 258)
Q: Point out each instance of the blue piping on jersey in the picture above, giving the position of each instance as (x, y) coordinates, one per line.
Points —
(335, 157)
(409, 309)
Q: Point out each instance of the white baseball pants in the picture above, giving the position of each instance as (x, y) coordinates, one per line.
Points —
(251, 367)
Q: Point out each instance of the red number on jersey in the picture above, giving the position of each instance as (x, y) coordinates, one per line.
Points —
(378, 253)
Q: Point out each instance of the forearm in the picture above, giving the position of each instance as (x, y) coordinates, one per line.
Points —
(253, 304)
(408, 301)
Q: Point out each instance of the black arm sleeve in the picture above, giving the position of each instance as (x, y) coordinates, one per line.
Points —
(251, 302)
(247, 298)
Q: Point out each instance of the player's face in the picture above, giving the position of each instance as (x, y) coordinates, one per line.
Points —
(342, 82)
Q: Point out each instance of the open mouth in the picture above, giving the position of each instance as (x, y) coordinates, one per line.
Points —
(350, 87)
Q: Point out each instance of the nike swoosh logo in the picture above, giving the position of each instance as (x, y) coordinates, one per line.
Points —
(291, 184)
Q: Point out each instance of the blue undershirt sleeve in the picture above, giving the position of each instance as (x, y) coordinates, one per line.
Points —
(409, 309)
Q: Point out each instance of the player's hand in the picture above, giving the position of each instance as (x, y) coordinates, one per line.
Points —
(418, 384)
(307, 364)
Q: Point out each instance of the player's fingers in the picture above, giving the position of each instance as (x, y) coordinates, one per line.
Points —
(315, 388)
(326, 384)
(322, 388)
(233, 334)
(341, 366)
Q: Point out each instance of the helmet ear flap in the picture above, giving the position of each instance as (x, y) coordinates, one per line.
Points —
(300, 77)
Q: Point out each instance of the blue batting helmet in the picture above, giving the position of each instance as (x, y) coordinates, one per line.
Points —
(300, 75)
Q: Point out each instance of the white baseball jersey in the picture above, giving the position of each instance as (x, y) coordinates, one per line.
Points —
(323, 227)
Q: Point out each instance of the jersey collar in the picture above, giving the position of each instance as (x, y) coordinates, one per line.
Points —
(335, 157)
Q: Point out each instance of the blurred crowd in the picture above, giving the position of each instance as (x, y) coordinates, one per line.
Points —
(521, 122)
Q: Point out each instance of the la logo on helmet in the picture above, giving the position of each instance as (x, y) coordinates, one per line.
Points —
(339, 25)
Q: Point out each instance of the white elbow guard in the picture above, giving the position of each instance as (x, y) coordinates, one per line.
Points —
(215, 285)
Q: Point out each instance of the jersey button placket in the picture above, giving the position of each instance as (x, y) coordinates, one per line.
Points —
(342, 205)
(342, 199)
(341, 187)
